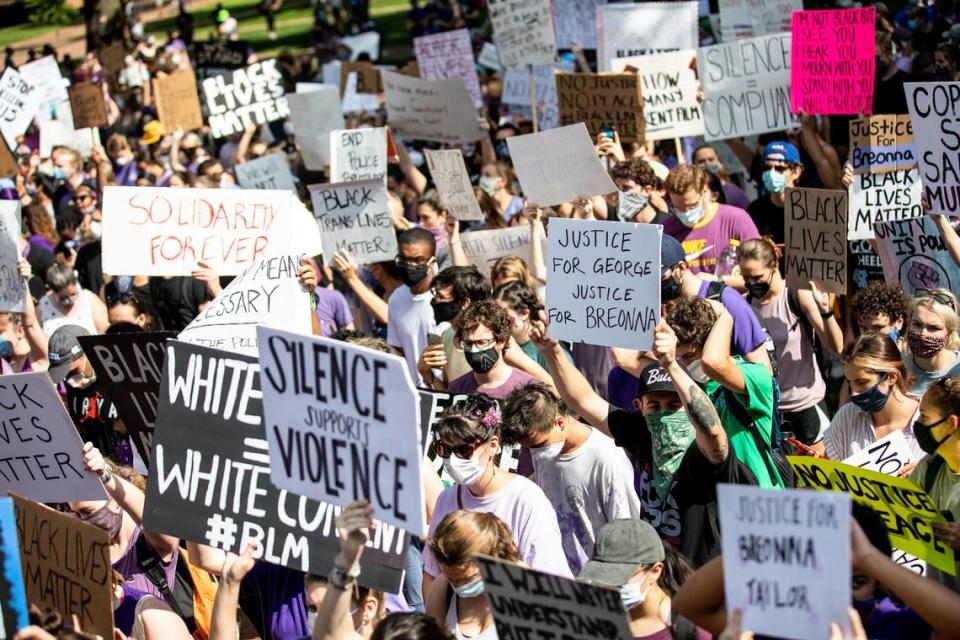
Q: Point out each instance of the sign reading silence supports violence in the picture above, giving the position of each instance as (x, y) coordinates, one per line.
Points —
(210, 475)
(342, 424)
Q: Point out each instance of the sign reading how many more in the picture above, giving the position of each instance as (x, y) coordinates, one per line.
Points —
(669, 89)
(178, 103)
(358, 154)
(934, 108)
(342, 425)
(250, 96)
(833, 61)
(746, 87)
(523, 30)
(13, 293)
(355, 216)
(777, 548)
(627, 29)
(816, 239)
(449, 173)
(270, 171)
(602, 101)
(882, 143)
(603, 282)
(18, 105)
(914, 255)
(449, 55)
(435, 110)
(210, 474)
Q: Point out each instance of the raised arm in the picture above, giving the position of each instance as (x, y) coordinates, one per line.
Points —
(717, 361)
(223, 620)
(343, 262)
(36, 338)
(827, 163)
(414, 177)
(333, 613)
(458, 257)
(538, 265)
(950, 237)
(817, 305)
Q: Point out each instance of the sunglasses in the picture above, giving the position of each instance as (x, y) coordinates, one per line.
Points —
(462, 451)
(936, 296)
(779, 168)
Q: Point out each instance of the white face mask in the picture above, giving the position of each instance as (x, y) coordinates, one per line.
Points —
(633, 595)
(489, 184)
(96, 229)
(630, 203)
(465, 472)
(546, 453)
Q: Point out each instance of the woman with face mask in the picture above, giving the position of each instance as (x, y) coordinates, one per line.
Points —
(792, 318)
(880, 402)
(495, 179)
(456, 598)
(522, 306)
(69, 303)
(467, 440)
(932, 339)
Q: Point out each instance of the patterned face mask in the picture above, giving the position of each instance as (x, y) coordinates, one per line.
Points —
(672, 434)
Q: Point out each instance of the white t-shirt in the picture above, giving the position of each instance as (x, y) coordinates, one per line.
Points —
(852, 430)
(409, 319)
(588, 488)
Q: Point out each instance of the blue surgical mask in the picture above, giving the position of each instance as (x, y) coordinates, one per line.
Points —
(6, 348)
(774, 182)
(470, 590)
(692, 216)
(58, 174)
(489, 184)
(632, 595)
(893, 334)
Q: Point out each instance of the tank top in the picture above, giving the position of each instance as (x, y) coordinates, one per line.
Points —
(52, 318)
(452, 623)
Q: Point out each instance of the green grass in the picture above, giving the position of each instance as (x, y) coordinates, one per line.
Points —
(10, 36)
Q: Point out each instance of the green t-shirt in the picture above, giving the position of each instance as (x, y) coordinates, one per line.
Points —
(758, 402)
(537, 357)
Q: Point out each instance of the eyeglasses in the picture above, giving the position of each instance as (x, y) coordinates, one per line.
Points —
(779, 168)
(936, 296)
(462, 451)
(122, 298)
(471, 345)
(419, 261)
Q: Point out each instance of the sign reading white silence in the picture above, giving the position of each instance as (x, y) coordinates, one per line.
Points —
(13, 292)
(342, 425)
(603, 282)
(777, 548)
(933, 107)
(358, 154)
(355, 216)
(881, 197)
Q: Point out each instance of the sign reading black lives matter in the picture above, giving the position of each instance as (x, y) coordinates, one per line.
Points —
(128, 368)
(342, 425)
(244, 97)
(528, 603)
(934, 109)
(816, 242)
(210, 474)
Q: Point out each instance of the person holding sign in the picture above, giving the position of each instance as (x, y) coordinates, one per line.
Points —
(932, 338)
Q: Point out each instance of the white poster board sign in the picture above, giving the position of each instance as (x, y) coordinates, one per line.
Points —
(576, 21)
(449, 55)
(436, 110)
(271, 171)
(932, 107)
(746, 87)
(449, 173)
(523, 31)
(51, 86)
(237, 99)
(887, 455)
(603, 282)
(753, 18)
(881, 197)
(59, 131)
(484, 248)
(314, 113)
(42, 457)
(266, 292)
(355, 216)
(13, 290)
(367, 42)
(358, 154)
(558, 165)
(516, 92)
(18, 105)
(626, 30)
(345, 431)
(778, 549)
(669, 89)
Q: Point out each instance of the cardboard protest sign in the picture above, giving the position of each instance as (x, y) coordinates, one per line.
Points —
(746, 87)
(882, 143)
(41, 452)
(66, 565)
(816, 239)
(128, 368)
(913, 254)
(87, 105)
(13, 292)
(210, 475)
(270, 171)
(50, 87)
(250, 96)
(59, 131)
(558, 165)
(449, 173)
(265, 292)
(113, 58)
(905, 508)
(832, 61)
(625, 30)
(887, 455)
(881, 197)
(367, 42)
(602, 101)
(315, 112)
(752, 18)
(484, 248)
(515, 591)
(933, 107)
(178, 103)
(18, 105)
(358, 154)
(355, 216)
(603, 282)
(668, 84)
(13, 600)
(523, 31)
(8, 163)
(777, 548)
(449, 55)
(346, 434)
(368, 76)
(165, 232)
(576, 21)
(436, 110)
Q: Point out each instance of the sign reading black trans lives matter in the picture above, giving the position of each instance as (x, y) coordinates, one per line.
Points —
(210, 474)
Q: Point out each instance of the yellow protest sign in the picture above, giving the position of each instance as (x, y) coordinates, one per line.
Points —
(905, 508)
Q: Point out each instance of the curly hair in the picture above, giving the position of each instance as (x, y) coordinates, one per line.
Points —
(463, 421)
(484, 313)
(463, 534)
(529, 409)
(879, 298)
(638, 170)
(691, 320)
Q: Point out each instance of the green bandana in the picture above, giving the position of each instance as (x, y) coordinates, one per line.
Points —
(671, 433)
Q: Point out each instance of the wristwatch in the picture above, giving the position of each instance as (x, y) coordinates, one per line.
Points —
(826, 314)
(107, 475)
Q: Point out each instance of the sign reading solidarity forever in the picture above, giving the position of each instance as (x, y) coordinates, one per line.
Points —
(250, 96)
(934, 107)
(210, 474)
(577, 610)
(816, 243)
(342, 424)
(777, 548)
(914, 255)
(40, 450)
(355, 216)
(13, 292)
(603, 282)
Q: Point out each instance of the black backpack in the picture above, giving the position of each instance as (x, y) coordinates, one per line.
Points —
(180, 599)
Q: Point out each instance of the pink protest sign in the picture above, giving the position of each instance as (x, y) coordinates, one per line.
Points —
(832, 61)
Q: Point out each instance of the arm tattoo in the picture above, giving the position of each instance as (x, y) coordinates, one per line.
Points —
(702, 413)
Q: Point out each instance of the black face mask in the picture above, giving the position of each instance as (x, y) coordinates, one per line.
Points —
(758, 289)
(924, 434)
(445, 311)
(669, 289)
(414, 275)
(482, 361)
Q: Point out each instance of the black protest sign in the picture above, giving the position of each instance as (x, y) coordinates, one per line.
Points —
(214, 58)
(816, 248)
(128, 368)
(210, 475)
(239, 99)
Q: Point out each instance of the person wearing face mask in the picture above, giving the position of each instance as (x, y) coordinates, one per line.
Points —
(23, 345)
(880, 308)
(888, 93)
(705, 156)
(640, 192)
(932, 339)
(467, 439)
(495, 182)
(704, 228)
(69, 175)
(782, 168)
(432, 216)
(586, 477)
(880, 402)
(945, 60)
(409, 312)
(68, 303)
(631, 557)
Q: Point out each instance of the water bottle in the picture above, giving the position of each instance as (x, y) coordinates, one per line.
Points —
(729, 259)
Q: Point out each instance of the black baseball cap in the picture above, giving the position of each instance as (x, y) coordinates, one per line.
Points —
(655, 378)
(64, 349)
(671, 252)
(623, 547)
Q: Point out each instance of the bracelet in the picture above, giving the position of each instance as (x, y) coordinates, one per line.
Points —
(340, 570)
(826, 314)
(106, 476)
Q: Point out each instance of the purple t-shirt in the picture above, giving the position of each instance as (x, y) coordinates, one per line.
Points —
(128, 565)
(467, 383)
(747, 332)
(735, 195)
(712, 235)
(333, 312)
(279, 593)
(622, 388)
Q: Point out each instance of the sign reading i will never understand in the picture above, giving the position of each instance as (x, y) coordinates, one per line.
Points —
(342, 424)
(210, 475)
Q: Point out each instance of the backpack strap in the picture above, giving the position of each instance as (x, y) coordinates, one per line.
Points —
(681, 628)
(714, 289)
(793, 303)
(931, 472)
(151, 567)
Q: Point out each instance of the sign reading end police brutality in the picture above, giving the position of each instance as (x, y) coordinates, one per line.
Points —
(935, 111)
(250, 96)
(603, 282)
(342, 425)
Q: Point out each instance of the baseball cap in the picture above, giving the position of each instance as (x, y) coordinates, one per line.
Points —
(655, 378)
(152, 132)
(622, 547)
(780, 150)
(671, 252)
(64, 348)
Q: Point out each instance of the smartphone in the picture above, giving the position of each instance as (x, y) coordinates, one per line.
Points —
(434, 338)
(609, 133)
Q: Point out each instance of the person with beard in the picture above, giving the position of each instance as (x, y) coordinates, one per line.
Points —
(409, 312)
